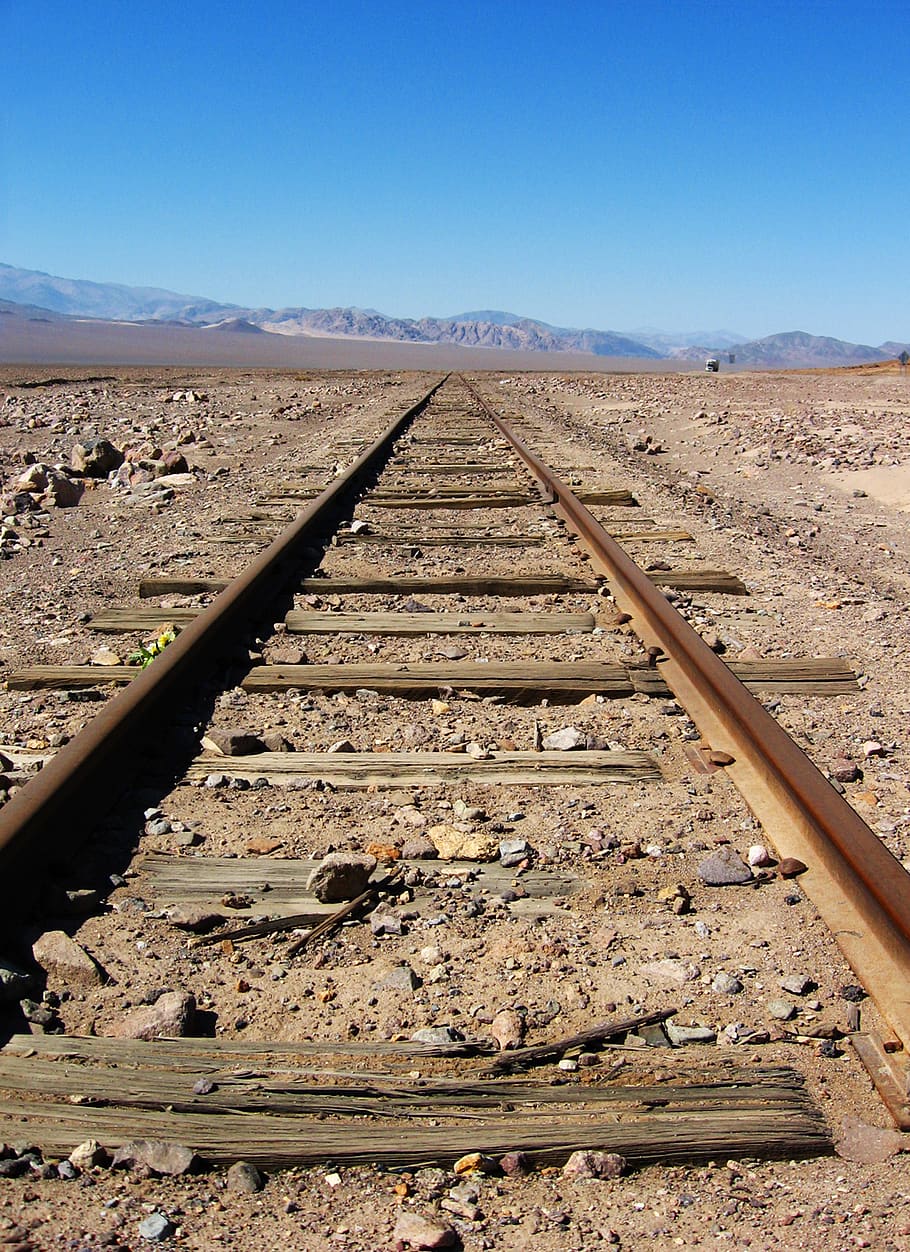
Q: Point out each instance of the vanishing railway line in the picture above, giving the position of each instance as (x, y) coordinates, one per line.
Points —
(455, 618)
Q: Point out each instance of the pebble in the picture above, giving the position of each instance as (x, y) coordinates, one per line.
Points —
(438, 1036)
(65, 962)
(88, 1154)
(413, 1229)
(724, 868)
(513, 851)
(401, 978)
(158, 1155)
(844, 771)
(726, 984)
(789, 867)
(156, 1227)
(453, 844)
(508, 1029)
(758, 856)
(515, 1163)
(340, 876)
(14, 982)
(588, 1164)
(797, 984)
(244, 1177)
(569, 739)
(233, 742)
(172, 1014)
(689, 1034)
(385, 923)
(782, 1010)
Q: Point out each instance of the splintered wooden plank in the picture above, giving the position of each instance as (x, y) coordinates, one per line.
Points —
(116, 621)
(522, 682)
(819, 676)
(64, 677)
(301, 623)
(648, 536)
(596, 495)
(354, 771)
(561, 682)
(453, 540)
(175, 586)
(203, 881)
(754, 1113)
(503, 501)
(700, 580)
(454, 584)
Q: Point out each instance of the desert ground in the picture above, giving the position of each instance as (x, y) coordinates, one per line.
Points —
(799, 482)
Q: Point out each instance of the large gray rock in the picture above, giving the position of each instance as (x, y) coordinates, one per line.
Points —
(724, 868)
(587, 1164)
(340, 876)
(65, 963)
(416, 1231)
(97, 459)
(171, 1016)
(161, 1157)
(569, 739)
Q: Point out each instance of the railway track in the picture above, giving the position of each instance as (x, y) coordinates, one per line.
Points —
(432, 724)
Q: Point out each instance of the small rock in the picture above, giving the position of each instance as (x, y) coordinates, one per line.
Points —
(758, 856)
(156, 1227)
(797, 984)
(724, 868)
(475, 1163)
(453, 844)
(244, 1177)
(873, 748)
(588, 1164)
(508, 1029)
(513, 851)
(170, 1016)
(782, 1010)
(161, 1157)
(845, 771)
(340, 876)
(402, 978)
(65, 963)
(97, 459)
(88, 1154)
(233, 742)
(14, 982)
(383, 922)
(869, 1145)
(852, 993)
(438, 1036)
(717, 756)
(419, 849)
(725, 984)
(569, 739)
(199, 921)
(681, 1035)
(515, 1163)
(790, 867)
(414, 1230)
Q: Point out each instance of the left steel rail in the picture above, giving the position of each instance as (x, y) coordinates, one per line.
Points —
(44, 820)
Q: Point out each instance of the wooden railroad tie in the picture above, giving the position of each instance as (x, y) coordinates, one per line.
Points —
(521, 682)
(358, 771)
(268, 1105)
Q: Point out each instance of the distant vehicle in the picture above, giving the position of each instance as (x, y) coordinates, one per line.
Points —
(712, 365)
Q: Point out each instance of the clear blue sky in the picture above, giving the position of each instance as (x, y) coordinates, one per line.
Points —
(684, 165)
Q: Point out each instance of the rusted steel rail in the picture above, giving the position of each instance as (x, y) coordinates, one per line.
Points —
(46, 818)
(859, 888)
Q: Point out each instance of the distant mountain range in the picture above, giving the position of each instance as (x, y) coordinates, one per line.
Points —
(46, 295)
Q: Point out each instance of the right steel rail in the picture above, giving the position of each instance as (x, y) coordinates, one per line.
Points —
(860, 889)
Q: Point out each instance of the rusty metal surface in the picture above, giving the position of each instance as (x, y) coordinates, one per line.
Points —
(864, 880)
(81, 782)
